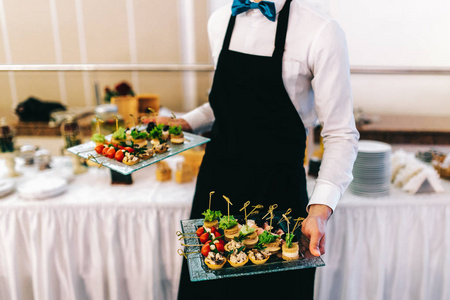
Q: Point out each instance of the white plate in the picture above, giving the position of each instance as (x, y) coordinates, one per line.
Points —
(42, 188)
(367, 146)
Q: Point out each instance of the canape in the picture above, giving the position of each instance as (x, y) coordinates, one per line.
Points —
(234, 245)
(230, 227)
(258, 256)
(249, 235)
(176, 135)
(146, 153)
(238, 258)
(290, 250)
(270, 241)
(98, 138)
(119, 136)
(215, 261)
(130, 159)
(211, 218)
(155, 135)
(139, 138)
(161, 148)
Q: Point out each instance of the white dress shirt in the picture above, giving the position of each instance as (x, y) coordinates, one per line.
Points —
(316, 75)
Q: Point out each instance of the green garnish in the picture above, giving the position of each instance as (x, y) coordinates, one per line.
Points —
(266, 237)
(211, 215)
(175, 130)
(156, 132)
(120, 134)
(289, 238)
(246, 230)
(138, 135)
(97, 137)
(227, 222)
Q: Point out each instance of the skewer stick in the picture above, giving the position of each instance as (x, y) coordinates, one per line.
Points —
(287, 221)
(271, 209)
(245, 210)
(98, 124)
(210, 194)
(117, 122)
(229, 202)
(286, 213)
(134, 120)
(297, 223)
(185, 254)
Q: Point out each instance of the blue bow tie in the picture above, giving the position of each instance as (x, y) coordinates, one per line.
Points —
(267, 8)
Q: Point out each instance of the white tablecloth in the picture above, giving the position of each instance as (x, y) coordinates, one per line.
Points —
(395, 247)
(102, 241)
(96, 241)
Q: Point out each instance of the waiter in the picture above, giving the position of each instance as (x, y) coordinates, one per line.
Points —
(280, 67)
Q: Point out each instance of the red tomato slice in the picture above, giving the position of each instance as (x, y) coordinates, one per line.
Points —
(204, 237)
(200, 231)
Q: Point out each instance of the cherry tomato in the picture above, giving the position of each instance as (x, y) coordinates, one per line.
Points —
(111, 152)
(221, 241)
(99, 149)
(204, 237)
(200, 231)
(219, 247)
(213, 229)
(129, 149)
(205, 250)
(119, 155)
(104, 151)
(217, 234)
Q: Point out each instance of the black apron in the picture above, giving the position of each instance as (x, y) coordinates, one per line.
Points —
(255, 154)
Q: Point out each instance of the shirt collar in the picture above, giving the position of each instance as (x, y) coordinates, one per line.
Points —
(278, 4)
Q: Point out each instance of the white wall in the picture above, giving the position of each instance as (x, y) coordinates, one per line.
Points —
(397, 33)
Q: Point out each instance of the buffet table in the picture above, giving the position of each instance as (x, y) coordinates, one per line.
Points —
(103, 241)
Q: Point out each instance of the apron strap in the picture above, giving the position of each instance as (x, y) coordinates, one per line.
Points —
(280, 38)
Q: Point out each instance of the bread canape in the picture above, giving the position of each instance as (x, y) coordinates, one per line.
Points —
(215, 261)
(249, 236)
(98, 138)
(130, 159)
(233, 245)
(211, 218)
(139, 138)
(155, 135)
(238, 258)
(258, 256)
(145, 153)
(176, 135)
(270, 241)
(161, 148)
(230, 227)
(290, 250)
(119, 136)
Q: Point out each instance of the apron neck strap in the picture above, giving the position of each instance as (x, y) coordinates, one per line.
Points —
(280, 38)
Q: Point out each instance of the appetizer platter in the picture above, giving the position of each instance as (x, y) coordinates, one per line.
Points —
(221, 246)
(130, 149)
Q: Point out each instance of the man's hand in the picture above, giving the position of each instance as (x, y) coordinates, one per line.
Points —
(313, 227)
(172, 122)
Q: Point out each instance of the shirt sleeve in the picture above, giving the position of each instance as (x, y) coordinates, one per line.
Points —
(200, 119)
(334, 108)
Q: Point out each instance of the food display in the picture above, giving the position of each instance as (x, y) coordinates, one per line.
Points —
(129, 149)
(246, 245)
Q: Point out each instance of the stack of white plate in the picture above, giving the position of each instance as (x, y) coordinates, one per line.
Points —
(372, 169)
(6, 187)
(42, 188)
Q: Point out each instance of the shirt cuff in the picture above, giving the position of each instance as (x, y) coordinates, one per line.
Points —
(325, 193)
(200, 119)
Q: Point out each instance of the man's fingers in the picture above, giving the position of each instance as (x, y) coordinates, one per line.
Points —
(314, 244)
(322, 245)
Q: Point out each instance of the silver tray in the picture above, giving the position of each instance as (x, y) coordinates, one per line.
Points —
(199, 271)
(87, 151)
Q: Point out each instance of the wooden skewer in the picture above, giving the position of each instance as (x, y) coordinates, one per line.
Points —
(194, 245)
(229, 202)
(185, 254)
(210, 194)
